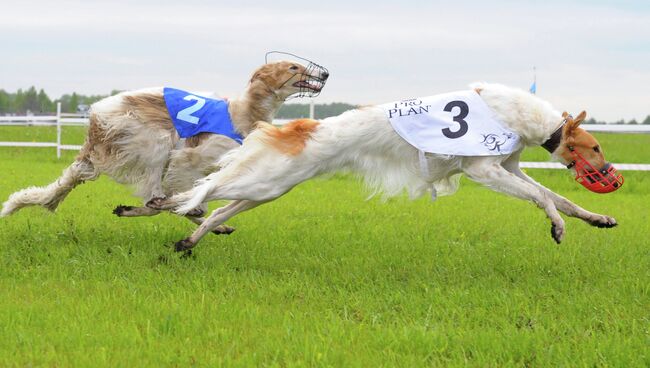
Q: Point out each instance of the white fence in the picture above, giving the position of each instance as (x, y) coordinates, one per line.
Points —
(62, 119)
(58, 120)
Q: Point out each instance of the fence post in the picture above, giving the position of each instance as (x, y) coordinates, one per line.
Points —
(58, 130)
(311, 108)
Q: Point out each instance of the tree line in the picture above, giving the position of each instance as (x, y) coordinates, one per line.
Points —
(37, 102)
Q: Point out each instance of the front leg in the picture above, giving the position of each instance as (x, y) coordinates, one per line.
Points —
(487, 171)
(218, 230)
(563, 204)
(133, 211)
(216, 219)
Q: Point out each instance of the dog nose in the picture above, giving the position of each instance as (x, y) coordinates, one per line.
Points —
(325, 75)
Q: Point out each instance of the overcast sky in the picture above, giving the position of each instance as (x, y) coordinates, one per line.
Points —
(592, 55)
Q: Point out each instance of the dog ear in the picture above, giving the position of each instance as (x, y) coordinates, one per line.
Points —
(571, 126)
(262, 73)
(580, 118)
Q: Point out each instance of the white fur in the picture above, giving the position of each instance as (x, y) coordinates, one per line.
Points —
(364, 142)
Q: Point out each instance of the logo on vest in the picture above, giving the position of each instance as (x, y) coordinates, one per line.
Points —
(409, 107)
(494, 141)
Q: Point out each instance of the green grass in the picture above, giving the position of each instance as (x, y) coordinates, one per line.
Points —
(323, 278)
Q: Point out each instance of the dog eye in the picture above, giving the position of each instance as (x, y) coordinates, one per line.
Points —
(596, 149)
(293, 67)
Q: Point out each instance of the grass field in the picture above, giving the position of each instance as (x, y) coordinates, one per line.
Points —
(322, 277)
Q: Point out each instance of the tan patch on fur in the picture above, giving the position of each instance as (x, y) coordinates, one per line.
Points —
(581, 141)
(264, 95)
(478, 90)
(150, 109)
(291, 138)
(197, 140)
(276, 75)
(99, 143)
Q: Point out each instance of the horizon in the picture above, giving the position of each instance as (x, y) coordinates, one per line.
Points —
(306, 102)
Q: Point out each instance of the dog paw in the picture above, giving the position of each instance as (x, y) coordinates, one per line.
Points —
(603, 221)
(223, 230)
(157, 203)
(183, 245)
(196, 212)
(120, 210)
(557, 232)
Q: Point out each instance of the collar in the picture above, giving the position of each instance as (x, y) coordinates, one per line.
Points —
(553, 142)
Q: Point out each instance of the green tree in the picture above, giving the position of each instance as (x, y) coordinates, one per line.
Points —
(73, 103)
(45, 105)
(633, 122)
(647, 120)
(17, 102)
(30, 101)
(5, 102)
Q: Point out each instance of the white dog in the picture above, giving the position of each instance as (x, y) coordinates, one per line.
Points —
(133, 139)
(273, 160)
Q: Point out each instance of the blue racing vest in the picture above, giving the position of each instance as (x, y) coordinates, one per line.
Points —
(193, 114)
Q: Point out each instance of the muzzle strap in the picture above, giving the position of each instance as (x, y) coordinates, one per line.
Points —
(553, 142)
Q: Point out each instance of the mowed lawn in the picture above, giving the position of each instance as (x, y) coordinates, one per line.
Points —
(322, 277)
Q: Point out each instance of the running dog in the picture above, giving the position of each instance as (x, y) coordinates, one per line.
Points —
(132, 138)
(273, 160)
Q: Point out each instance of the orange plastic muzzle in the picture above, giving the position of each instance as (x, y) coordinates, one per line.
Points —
(605, 180)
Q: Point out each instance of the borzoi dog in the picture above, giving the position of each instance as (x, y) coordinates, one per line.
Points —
(273, 160)
(132, 138)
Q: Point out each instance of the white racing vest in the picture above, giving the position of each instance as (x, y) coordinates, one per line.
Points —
(457, 123)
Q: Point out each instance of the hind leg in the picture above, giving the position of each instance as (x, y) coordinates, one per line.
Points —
(51, 195)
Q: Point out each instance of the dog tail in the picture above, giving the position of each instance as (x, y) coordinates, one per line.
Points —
(51, 195)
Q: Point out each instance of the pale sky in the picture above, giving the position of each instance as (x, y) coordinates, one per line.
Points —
(591, 55)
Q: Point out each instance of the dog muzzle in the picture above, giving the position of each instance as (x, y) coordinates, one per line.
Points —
(605, 180)
(311, 82)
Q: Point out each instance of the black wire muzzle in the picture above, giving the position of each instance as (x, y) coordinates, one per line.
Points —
(311, 82)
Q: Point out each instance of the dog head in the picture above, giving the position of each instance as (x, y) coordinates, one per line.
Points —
(582, 153)
(288, 78)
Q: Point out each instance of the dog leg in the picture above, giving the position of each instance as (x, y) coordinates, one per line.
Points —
(494, 176)
(218, 230)
(563, 204)
(218, 217)
(131, 211)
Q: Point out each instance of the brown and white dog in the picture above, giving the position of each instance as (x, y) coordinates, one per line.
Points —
(132, 139)
(273, 160)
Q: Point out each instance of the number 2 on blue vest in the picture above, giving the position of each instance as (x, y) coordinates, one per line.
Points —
(186, 113)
